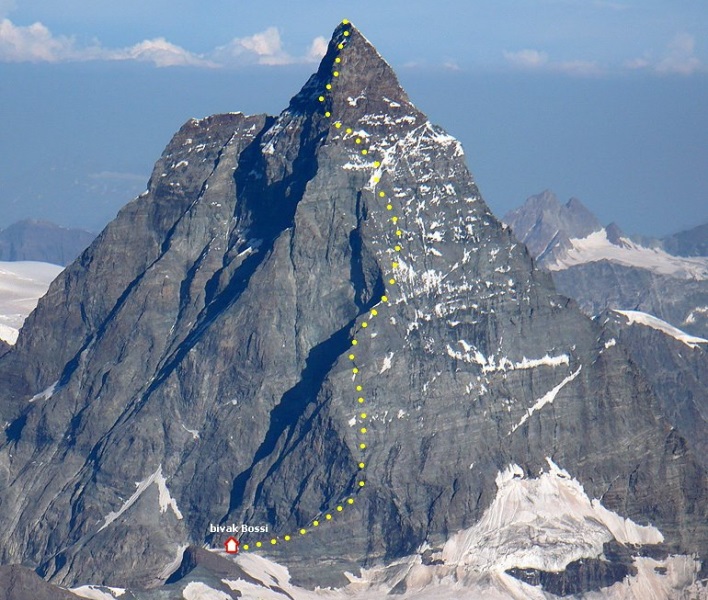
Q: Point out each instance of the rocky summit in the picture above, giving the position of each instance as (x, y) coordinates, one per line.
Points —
(313, 323)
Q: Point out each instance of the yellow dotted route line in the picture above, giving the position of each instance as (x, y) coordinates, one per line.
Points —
(361, 416)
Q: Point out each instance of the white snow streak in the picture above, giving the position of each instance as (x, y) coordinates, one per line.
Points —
(641, 318)
(548, 398)
(46, 394)
(165, 499)
(386, 362)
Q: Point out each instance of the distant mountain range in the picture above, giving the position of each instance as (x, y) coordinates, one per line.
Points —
(603, 268)
(43, 242)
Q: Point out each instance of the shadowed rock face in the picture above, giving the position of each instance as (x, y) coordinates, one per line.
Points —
(201, 348)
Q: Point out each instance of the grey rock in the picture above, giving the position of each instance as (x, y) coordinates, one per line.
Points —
(201, 346)
(692, 242)
(43, 241)
(21, 583)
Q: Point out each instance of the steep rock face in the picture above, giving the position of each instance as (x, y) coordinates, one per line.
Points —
(194, 366)
(677, 371)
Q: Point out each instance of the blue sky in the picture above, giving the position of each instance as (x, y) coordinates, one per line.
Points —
(601, 99)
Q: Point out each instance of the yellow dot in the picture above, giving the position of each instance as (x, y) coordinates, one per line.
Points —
(328, 114)
(358, 140)
(337, 124)
(346, 33)
(274, 541)
(321, 98)
(303, 531)
(349, 129)
(336, 73)
(382, 194)
(362, 484)
(384, 298)
(394, 265)
(377, 179)
(389, 207)
(374, 312)
(355, 370)
(399, 233)
(362, 465)
(377, 164)
(345, 21)
(364, 324)
(329, 86)
(397, 248)
(364, 151)
(392, 281)
(316, 523)
(350, 501)
(328, 517)
(287, 538)
(354, 342)
(258, 544)
(359, 388)
(363, 430)
(340, 46)
(246, 546)
(394, 219)
(337, 60)
(351, 357)
(360, 400)
(362, 446)
(363, 415)
(340, 508)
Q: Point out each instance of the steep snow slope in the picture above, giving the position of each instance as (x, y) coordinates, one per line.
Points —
(22, 283)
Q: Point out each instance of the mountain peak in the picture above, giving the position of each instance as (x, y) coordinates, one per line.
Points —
(353, 80)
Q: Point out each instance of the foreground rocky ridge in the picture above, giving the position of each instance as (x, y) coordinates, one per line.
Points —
(200, 347)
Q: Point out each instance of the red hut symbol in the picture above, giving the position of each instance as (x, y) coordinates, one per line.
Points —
(232, 545)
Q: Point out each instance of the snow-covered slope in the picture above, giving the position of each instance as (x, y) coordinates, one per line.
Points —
(597, 246)
(542, 523)
(642, 318)
(22, 284)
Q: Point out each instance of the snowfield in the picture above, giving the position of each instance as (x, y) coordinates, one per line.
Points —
(541, 523)
(22, 284)
(597, 247)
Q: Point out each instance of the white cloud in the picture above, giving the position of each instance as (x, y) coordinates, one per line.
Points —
(318, 49)
(265, 48)
(537, 60)
(33, 43)
(527, 59)
(680, 57)
(161, 53)
(36, 43)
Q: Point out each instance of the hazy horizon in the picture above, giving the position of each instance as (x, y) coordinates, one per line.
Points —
(554, 94)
